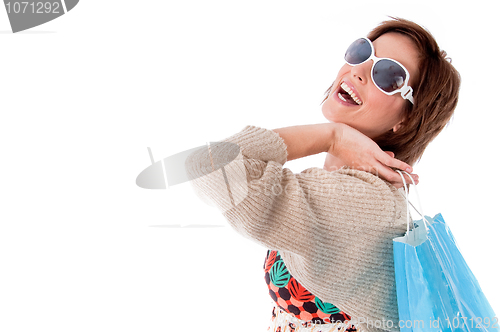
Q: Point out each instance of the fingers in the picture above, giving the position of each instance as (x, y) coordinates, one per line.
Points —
(394, 177)
(391, 154)
(383, 164)
(388, 159)
(412, 179)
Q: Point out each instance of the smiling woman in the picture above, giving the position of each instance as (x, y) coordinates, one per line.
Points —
(434, 81)
(329, 231)
(358, 100)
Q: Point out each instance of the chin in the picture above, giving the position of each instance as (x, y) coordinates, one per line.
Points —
(332, 114)
(328, 113)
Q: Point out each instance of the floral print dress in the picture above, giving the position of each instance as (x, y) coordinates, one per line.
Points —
(296, 309)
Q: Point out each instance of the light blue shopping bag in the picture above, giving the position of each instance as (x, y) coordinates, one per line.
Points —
(436, 290)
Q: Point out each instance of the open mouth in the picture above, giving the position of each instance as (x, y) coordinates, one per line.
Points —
(347, 95)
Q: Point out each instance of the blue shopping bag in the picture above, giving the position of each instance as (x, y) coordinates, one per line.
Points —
(436, 290)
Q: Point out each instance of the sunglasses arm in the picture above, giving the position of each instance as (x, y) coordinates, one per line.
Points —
(407, 93)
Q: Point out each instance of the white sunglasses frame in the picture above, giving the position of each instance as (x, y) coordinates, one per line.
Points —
(406, 90)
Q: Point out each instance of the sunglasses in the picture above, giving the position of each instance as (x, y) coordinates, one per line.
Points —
(388, 75)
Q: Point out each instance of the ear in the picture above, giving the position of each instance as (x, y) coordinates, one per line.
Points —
(398, 126)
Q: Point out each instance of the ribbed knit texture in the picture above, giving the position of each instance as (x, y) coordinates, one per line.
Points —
(334, 230)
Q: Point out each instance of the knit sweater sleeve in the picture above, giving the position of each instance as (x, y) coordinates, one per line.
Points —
(334, 230)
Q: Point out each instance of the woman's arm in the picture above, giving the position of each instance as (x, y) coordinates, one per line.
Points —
(307, 140)
(350, 146)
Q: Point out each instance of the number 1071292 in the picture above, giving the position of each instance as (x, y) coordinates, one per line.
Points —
(25, 7)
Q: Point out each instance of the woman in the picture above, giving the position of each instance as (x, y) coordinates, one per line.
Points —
(329, 231)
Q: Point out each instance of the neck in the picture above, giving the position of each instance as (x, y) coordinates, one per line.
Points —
(332, 163)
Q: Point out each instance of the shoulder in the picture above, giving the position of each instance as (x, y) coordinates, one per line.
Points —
(348, 176)
(354, 187)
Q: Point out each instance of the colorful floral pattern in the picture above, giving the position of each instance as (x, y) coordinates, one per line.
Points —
(294, 299)
(282, 321)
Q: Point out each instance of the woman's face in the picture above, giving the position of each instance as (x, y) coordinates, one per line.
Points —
(378, 112)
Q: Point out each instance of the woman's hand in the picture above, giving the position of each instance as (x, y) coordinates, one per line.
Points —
(360, 152)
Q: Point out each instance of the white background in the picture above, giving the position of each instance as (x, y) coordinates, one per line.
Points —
(82, 248)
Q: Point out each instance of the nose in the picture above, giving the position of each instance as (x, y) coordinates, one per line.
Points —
(361, 73)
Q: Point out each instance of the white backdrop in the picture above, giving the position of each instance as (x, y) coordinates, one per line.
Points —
(82, 248)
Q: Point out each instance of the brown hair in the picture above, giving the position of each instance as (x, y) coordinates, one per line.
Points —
(435, 95)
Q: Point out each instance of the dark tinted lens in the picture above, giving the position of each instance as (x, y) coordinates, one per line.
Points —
(388, 75)
(358, 52)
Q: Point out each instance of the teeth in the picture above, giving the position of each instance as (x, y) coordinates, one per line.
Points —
(350, 92)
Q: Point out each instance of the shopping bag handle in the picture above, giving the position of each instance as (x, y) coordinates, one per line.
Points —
(408, 203)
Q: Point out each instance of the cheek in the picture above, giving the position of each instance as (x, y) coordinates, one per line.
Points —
(385, 111)
(344, 70)
(387, 104)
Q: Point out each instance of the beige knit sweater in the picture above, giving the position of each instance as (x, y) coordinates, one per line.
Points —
(334, 230)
